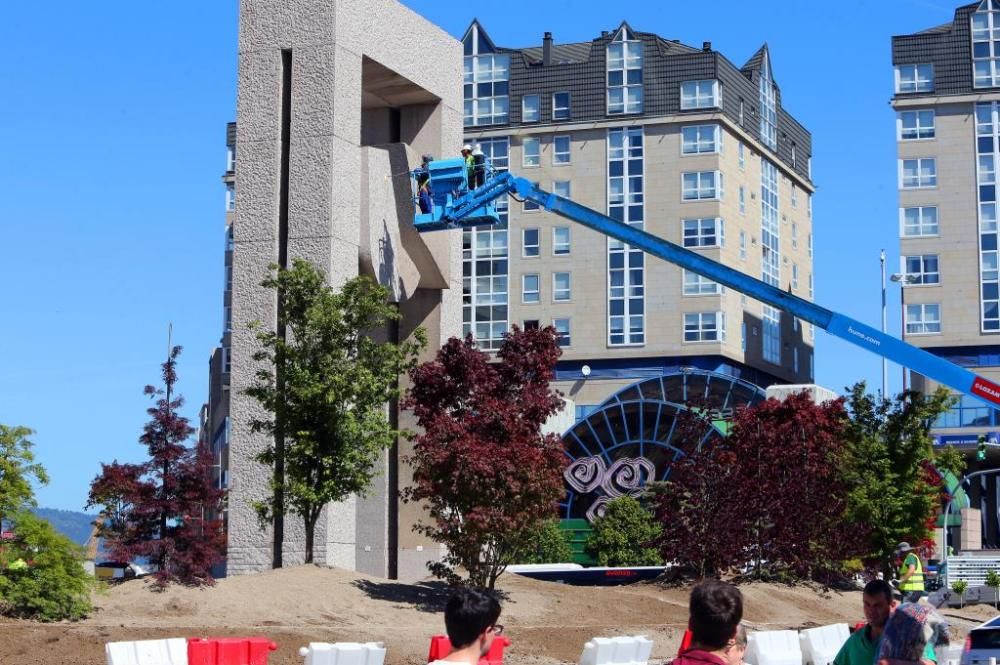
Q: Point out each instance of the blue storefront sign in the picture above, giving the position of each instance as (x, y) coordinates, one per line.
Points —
(965, 440)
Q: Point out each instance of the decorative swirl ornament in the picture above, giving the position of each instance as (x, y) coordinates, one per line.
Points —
(625, 477)
(597, 509)
(585, 474)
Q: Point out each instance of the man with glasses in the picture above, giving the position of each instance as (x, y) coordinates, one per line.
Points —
(470, 618)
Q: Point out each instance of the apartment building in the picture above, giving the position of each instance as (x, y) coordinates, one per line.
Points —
(214, 429)
(947, 100)
(674, 139)
(947, 103)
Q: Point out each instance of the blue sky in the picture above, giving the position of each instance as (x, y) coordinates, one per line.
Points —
(112, 130)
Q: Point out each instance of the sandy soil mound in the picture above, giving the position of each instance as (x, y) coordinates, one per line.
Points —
(547, 623)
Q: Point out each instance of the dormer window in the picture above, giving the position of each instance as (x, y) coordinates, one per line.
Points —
(768, 106)
(624, 73)
(487, 81)
(914, 78)
(986, 45)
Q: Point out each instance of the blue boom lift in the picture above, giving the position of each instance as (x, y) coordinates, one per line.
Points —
(455, 205)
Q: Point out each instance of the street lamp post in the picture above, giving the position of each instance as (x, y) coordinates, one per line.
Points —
(885, 362)
(903, 280)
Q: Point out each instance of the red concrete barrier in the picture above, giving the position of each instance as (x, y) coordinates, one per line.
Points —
(230, 651)
(441, 647)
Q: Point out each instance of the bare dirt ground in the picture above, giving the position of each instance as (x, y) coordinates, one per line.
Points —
(547, 623)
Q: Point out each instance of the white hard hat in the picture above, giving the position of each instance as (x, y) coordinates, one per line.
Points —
(466, 148)
(478, 149)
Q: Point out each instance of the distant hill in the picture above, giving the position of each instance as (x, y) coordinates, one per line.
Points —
(76, 526)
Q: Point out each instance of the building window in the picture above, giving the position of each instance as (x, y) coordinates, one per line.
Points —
(529, 324)
(562, 188)
(795, 235)
(530, 205)
(988, 149)
(532, 153)
(795, 196)
(917, 173)
(923, 319)
(705, 327)
(562, 331)
(921, 269)
(624, 61)
(769, 228)
(560, 150)
(227, 319)
(700, 139)
(986, 45)
(795, 277)
(914, 78)
(795, 360)
(529, 288)
(743, 336)
(230, 159)
(810, 285)
(768, 107)
(487, 81)
(529, 243)
(707, 232)
(741, 151)
(560, 287)
(485, 285)
(560, 240)
(741, 112)
(809, 205)
(696, 285)
(809, 241)
(919, 221)
(626, 265)
(485, 265)
(230, 197)
(743, 200)
(771, 324)
(743, 246)
(916, 125)
(230, 242)
(794, 161)
(531, 108)
(699, 95)
(227, 283)
(701, 186)
(560, 106)
(227, 364)
(581, 411)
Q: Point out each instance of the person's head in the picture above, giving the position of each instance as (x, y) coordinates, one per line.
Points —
(466, 149)
(738, 646)
(878, 602)
(470, 617)
(902, 550)
(716, 611)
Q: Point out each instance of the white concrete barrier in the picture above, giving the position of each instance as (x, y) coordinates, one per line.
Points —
(617, 651)
(821, 645)
(774, 647)
(343, 653)
(147, 652)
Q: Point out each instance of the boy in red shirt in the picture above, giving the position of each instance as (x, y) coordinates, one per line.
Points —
(716, 609)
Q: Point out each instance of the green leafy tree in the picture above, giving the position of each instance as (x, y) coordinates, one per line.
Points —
(894, 491)
(17, 471)
(960, 587)
(547, 544)
(624, 535)
(41, 573)
(326, 379)
(950, 459)
(993, 582)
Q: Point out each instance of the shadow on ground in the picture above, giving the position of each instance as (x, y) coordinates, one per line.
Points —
(422, 596)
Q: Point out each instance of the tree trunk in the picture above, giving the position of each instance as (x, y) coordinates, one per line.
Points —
(310, 534)
(312, 516)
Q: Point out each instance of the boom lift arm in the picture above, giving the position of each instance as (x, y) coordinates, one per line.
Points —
(457, 206)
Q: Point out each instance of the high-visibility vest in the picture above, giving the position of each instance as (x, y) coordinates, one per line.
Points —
(916, 581)
(470, 166)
